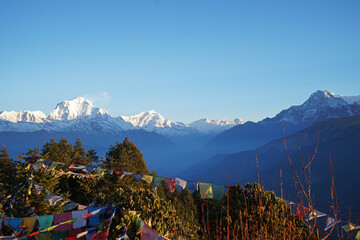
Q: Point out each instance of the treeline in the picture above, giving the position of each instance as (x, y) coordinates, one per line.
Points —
(246, 212)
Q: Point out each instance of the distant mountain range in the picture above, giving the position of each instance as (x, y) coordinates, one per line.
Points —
(339, 138)
(182, 145)
(79, 115)
(320, 106)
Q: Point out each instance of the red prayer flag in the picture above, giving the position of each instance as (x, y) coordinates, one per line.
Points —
(101, 235)
(74, 234)
(171, 183)
(301, 211)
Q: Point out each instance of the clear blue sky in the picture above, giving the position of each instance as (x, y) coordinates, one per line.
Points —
(183, 58)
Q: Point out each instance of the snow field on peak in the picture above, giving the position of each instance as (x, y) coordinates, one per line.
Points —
(75, 108)
(23, 116)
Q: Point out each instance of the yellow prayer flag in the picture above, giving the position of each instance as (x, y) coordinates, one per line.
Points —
(29, 222)
(357, 237)
(28, 167)
(147, 178)
(350, 227)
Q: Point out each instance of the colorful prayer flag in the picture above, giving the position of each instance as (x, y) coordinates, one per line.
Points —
(315, 214)
(330, 222)
(70, 206)
(301, 211)
(14, 223)
(45, 221)
(357, 237)
(192, 186)
(29, 223)
(218, 192)
(95, 215)
(101, 235)
(43, 236)
(100, 171)
(147, 178)
(350, 227)
(138, 177)
(171, 183)
(157, 180)
(180, 182)
(65, 219)
(90, 233)
(81, 222)
(59, 235)
(205, 190)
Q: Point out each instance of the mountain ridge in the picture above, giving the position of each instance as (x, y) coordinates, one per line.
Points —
(79, 114)
(321, 105)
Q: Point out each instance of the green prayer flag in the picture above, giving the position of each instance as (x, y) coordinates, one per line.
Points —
(61, 235)
(147, 178)
(140, 223)
(45, 221)
(100, 171)
(43, 236)
(54, 164)
(218, 192)
(157, 180)
(206, 190)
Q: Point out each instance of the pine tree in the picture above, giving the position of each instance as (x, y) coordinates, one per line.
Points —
(6, 170)
(92, 157)
(79, 153)
(125, 156)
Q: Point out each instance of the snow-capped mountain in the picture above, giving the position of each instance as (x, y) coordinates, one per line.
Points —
(80, 115)
(76, 115)
(75, 108)
(321, 105)
(150, 120)
(205, 125)
(350, 99)
(153, 121)
(23, 116)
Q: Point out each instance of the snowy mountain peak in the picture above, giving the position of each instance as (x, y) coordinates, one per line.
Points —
(322, 94)
(205, 125)
(320, 99)
(328, 94)
(148, 118)
(23, 116)
(321, 105)
(75, 108)
(220, 122)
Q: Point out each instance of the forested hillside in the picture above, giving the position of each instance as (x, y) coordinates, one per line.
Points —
(49, 189)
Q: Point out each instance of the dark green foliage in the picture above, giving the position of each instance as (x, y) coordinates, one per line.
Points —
(59, 152)
(79, 154)
(125, 156)
(92, 157)
(249, 212)
(7, 170)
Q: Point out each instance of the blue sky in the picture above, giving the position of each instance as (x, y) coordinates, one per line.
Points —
(184, 59)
